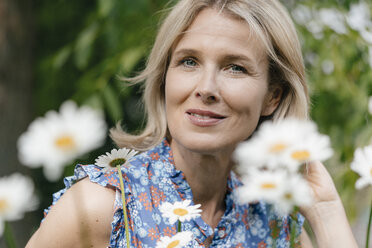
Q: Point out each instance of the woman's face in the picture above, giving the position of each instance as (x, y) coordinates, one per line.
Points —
(216, 85)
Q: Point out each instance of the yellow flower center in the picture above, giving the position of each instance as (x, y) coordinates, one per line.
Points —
(276, 148)
(3, 205)
(117, 161)
(180, 211)
(65, 142)
(268, 186)
(301, 155)
(370, 171)
(288, 196)
(173, 244)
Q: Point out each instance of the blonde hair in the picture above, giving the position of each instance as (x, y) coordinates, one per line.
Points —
(267, 19)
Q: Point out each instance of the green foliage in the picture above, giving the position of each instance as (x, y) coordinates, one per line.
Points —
(96, 42)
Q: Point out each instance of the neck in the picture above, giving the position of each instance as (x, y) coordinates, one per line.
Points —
(207, 176)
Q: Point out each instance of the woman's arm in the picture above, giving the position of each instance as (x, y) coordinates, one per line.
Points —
(326, 215)
(305, 239)
(81, 218)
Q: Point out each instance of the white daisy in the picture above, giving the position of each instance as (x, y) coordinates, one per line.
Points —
(328, 66)
(181, 211)
(280, 188)
(269, 145)
(313, 147)
(116, 157)
(179, 240)
(370, 98)
(262, 185)
(362, 164)
(366, 34)
(297, 193)
(302, 14)
(315, 27)
(359, 16)
(57, 139)
(334, 19)
(16, 198)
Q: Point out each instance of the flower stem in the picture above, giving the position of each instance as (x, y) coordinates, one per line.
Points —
(9, 238)
(369, 226)
(293, 227)
(124, 206)
(179, 226)
(293, 233)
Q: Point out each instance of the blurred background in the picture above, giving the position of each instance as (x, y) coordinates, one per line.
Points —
(51, 51)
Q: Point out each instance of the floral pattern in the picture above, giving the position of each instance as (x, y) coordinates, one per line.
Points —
(151, 179)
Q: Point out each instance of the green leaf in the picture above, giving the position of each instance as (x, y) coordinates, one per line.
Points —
(94, 101)
(84, 44)
(111, 99)
(105, 7)
(61, 57)
(130, 58)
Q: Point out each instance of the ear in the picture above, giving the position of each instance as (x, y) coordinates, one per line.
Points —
(272, 100)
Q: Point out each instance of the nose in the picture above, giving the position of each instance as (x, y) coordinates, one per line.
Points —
(207, 88)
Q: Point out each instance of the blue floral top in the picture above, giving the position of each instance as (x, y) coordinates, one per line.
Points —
(151, 179)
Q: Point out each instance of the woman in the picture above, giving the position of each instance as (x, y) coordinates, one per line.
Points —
(216, 70)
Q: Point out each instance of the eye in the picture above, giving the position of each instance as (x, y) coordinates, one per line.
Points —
(236, 69)
(188, 62)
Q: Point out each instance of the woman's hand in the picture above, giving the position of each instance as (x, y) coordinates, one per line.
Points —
(322, 187)
(326, 214)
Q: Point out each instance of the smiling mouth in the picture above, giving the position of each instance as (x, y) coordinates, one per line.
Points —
(205, 116)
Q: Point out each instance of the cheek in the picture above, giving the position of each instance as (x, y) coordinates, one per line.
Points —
(246, 98)
(176, 92)
(178, 88)
(247, 109)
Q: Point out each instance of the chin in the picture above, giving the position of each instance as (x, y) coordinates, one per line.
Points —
(206, 145)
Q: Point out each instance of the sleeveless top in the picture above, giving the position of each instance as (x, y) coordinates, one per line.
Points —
(150, 179)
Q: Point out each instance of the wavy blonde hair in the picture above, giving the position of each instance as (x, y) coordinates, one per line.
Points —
(267, 19)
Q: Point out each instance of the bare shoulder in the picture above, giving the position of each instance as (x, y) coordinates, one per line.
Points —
(82, 217)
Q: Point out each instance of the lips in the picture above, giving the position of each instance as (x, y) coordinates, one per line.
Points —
(204, 118)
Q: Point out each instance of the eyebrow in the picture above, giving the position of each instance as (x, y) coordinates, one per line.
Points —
(234, 57)
(227, 57)
(187, 52)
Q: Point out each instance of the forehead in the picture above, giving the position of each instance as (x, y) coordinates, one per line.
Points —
(221, 30)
